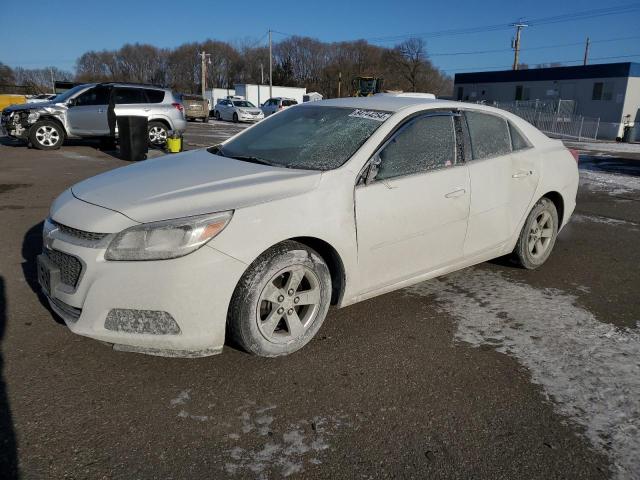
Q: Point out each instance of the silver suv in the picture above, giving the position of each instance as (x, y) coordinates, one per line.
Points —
(82, 113)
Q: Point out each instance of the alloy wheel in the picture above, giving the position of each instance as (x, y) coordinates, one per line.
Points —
(288, 304)
(47, 136)
(157, 135)
(540, 234)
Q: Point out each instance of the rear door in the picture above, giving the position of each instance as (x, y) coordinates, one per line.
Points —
(502, 183)
(412, 218)
(88, 115)
(131, 101)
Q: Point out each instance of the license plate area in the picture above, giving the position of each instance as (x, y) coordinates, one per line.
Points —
(48, 275)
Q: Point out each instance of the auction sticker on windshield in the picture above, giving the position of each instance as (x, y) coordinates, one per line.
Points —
(370, 114)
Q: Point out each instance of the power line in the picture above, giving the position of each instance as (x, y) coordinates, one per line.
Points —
(477, 69)
(586, 14)
(541, 47)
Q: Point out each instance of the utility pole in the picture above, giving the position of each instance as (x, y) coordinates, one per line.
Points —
(261, 74)
(586, 51)
(516, 44)
(339, 84)
(270, 67)
(203, 70)
(53, 81)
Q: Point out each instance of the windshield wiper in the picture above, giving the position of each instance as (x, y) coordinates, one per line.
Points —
(250, 159)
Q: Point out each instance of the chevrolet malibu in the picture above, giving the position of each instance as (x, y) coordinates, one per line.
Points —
(329, 203)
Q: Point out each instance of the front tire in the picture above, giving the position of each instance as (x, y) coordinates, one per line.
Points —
(46, 135)
(217, 115)
(235, 118)
(538, 235)
(281, 301)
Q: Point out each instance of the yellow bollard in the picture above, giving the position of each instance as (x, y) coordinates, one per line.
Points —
(174, 144)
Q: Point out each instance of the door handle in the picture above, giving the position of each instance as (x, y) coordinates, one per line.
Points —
(522, 174)
(100, 110)
(147, 109)
(456, 193)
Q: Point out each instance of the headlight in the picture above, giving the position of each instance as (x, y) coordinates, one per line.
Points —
(33, 116)
(166, 239)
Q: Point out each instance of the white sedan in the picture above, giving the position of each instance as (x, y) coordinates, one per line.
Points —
(237, 111)
(332, 202)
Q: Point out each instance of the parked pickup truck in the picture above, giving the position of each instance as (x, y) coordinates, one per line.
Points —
(82, 113)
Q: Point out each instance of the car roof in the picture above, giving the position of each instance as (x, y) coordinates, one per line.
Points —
(137, 85)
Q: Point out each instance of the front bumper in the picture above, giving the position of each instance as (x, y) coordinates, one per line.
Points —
(194, 290)
(250, 118)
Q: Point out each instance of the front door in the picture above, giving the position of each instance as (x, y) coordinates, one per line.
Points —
(88, 113)
(412, 217)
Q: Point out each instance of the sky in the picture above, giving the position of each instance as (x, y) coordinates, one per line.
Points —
(40, 33)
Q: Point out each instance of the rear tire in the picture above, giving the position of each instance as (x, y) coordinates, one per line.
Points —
(46, 135)
(157, 133)
(281, 301)
(538, 235)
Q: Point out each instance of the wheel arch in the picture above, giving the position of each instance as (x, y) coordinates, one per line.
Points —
(53, 118)
(331, 257)
(558, 201)
(333, 260)
(164, 121)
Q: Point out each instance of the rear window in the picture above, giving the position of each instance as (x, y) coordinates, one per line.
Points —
(489, 135)
(155, 96)
(288, 103)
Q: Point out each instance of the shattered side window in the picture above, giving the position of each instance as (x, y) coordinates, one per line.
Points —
(489, 135)
(426, 144)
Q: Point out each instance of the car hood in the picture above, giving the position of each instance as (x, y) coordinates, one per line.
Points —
(29, 106)
(249, 110)
(191, 183)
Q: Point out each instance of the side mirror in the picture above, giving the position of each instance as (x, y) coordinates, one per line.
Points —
(374, 168)
(71, 102)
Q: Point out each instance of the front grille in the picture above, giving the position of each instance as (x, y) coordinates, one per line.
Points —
(81, 234)
(69, 266)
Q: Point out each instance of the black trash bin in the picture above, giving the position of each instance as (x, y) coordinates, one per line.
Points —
(133, 137)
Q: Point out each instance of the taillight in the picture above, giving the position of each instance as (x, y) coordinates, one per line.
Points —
(178, 106)
(576, 154)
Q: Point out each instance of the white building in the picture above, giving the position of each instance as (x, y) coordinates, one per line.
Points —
(256, 94)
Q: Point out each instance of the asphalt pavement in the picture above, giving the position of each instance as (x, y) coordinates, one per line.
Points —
(492, 372)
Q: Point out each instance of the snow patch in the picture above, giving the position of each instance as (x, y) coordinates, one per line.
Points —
(612, 183)
(580, 218)
(286, 451)
(589, 369)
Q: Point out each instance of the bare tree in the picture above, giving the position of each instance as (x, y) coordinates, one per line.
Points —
(298, 61)
(6, 75)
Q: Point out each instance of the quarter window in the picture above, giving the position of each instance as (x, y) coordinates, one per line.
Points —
(518, 142)
(425, 144)
(489, 135)
(155, 96)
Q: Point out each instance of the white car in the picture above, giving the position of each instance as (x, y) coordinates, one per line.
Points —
(237, 110)
(332, 202)
(277, 104)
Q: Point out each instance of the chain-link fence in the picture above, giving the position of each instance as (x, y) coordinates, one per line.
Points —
(555, 118)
